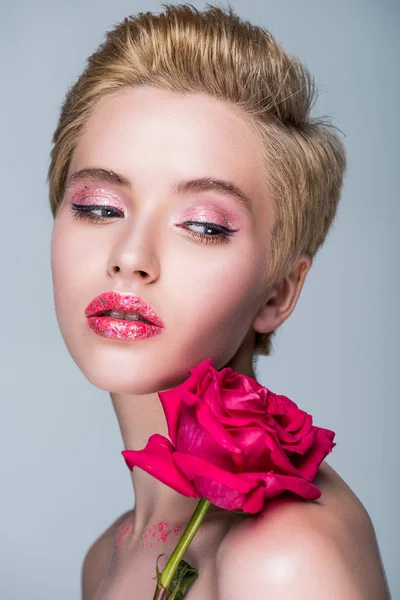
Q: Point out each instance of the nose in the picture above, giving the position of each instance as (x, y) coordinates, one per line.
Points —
(134, 255)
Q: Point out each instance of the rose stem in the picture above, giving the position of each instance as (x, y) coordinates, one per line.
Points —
(180, 549)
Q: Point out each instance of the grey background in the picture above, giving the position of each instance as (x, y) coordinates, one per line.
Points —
(63, 479)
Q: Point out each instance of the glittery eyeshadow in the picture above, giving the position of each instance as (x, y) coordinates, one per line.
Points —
(96, 195)
(208, 214)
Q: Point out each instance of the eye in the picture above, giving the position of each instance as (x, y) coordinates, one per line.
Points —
(223, 234)
(84, 211)
(220, 234)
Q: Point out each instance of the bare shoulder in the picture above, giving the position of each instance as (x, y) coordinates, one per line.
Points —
(297, 549)
(96, 559)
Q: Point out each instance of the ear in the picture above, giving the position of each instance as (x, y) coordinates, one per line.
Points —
(282, 298)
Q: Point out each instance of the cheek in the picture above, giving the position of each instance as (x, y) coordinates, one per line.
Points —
(219, 297)
(59, 257)
(72, 266)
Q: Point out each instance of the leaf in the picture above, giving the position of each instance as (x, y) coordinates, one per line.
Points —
(183, 578)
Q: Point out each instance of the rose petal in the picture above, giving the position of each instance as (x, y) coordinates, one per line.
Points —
(193, 440)
(219, 494)
(201, 370)
(157, 460)
(278, 457)
(238, 400)
(189, 398)
(275, 484)
(255, 449)
(322, 446)
(302, 445)
(295, 432)
(171, 403)
(255, 500)
(193, 465)
(214, 429)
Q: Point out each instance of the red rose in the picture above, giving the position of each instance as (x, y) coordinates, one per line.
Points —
(234, 442)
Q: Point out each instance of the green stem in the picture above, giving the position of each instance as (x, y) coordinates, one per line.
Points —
(167, 574)
(161, 593)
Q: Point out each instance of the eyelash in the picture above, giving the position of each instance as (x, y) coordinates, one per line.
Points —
(82, 211)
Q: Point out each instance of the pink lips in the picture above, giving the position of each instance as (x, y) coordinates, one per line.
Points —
(124, 302)
(119, 329)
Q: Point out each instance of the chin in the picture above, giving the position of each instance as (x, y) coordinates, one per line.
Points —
(134, 381)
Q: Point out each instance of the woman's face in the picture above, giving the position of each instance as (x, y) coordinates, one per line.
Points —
(206, 294)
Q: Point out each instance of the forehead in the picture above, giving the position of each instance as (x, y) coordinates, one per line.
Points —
(154, 135)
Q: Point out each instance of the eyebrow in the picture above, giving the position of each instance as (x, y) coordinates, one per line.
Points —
(202, 184)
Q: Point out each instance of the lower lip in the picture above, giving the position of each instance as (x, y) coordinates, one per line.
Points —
(118, 329)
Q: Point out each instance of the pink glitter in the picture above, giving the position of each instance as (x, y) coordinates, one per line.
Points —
(122, 330)
(92, 195)
(124, 529)
(160, 533)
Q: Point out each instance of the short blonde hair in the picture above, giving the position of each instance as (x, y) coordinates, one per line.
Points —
(185, 50)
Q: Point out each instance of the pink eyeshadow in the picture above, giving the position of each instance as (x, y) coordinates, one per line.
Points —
(209, 214)
(220, 213)
(94, 195)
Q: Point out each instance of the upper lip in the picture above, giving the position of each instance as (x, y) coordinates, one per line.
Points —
(126, 302)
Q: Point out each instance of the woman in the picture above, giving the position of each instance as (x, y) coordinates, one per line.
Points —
(191, 189)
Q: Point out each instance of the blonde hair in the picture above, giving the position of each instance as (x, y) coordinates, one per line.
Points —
(185, 50)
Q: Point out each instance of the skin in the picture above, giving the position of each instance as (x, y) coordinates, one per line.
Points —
(211, 297)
